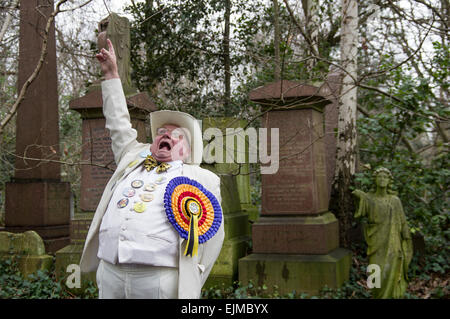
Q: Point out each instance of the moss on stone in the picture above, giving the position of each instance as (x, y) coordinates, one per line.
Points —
(27, 249)
(299, 273)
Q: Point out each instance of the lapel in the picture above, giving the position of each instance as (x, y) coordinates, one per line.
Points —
(128, 169)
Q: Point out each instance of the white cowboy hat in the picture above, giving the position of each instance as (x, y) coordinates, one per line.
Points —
(183, 120)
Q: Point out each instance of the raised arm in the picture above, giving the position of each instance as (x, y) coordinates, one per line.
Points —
(361, 209)
(115, 109)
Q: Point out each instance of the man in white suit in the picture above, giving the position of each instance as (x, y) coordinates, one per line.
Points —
(136, 250)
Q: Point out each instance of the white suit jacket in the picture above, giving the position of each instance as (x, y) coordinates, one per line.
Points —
(193, 271)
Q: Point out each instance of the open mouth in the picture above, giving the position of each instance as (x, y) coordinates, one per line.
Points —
(165, 146)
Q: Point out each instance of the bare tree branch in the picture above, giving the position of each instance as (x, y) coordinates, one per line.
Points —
(32, 77)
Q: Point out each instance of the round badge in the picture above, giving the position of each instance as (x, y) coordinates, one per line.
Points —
(149, 187)
(122, 203)
(161, 180)
(137, 183)
(139, 207)
(193, 207)
(129, 192)
(146, 197)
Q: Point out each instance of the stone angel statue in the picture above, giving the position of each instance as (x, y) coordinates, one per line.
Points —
(387, 235)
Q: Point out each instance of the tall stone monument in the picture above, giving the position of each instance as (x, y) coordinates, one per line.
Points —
(96, 142)
(296, 241)
(36, 199)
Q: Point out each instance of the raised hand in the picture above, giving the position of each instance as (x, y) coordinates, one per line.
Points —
(108, 61)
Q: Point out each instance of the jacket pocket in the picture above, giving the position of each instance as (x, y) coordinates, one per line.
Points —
(160, 239)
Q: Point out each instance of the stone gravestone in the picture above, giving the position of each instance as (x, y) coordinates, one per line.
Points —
(27, 249)
(225, 270)
(296, 241)
(36, 199)
(96, 141)
(117, 29)
(243, 182)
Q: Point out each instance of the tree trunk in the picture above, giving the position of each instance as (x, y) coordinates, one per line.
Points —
(312, 29)
(226, 55)
(342, 203)
(443, 128)
(276, 40)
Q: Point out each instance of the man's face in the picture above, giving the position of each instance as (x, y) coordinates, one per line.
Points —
(171, 143)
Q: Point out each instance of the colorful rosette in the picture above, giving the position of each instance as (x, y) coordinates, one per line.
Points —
(193, 211)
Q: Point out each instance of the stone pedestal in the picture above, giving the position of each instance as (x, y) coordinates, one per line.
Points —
(297, 273)
(41, 206)
(235, 245)
(296, 233)
(36, 199)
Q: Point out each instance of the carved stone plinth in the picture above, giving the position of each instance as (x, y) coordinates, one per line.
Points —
(296, 233)
(40, 206)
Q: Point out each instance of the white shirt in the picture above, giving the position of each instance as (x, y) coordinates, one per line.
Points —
(137, 230)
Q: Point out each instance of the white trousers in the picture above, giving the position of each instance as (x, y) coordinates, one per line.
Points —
(133, 281)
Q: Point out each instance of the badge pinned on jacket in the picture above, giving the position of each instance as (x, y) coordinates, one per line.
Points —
(193, 211)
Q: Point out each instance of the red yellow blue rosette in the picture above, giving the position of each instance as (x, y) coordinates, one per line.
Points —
(193, 211)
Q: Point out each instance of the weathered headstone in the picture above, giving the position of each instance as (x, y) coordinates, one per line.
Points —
(117, 29)
(96, 142)
(27, 249)
(244, 183)
(295, 241)
(36, 199)
(225, 270)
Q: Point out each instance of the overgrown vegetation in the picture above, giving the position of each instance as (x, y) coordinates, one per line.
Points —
(39, 285)
(425, 282)
(428, 278)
